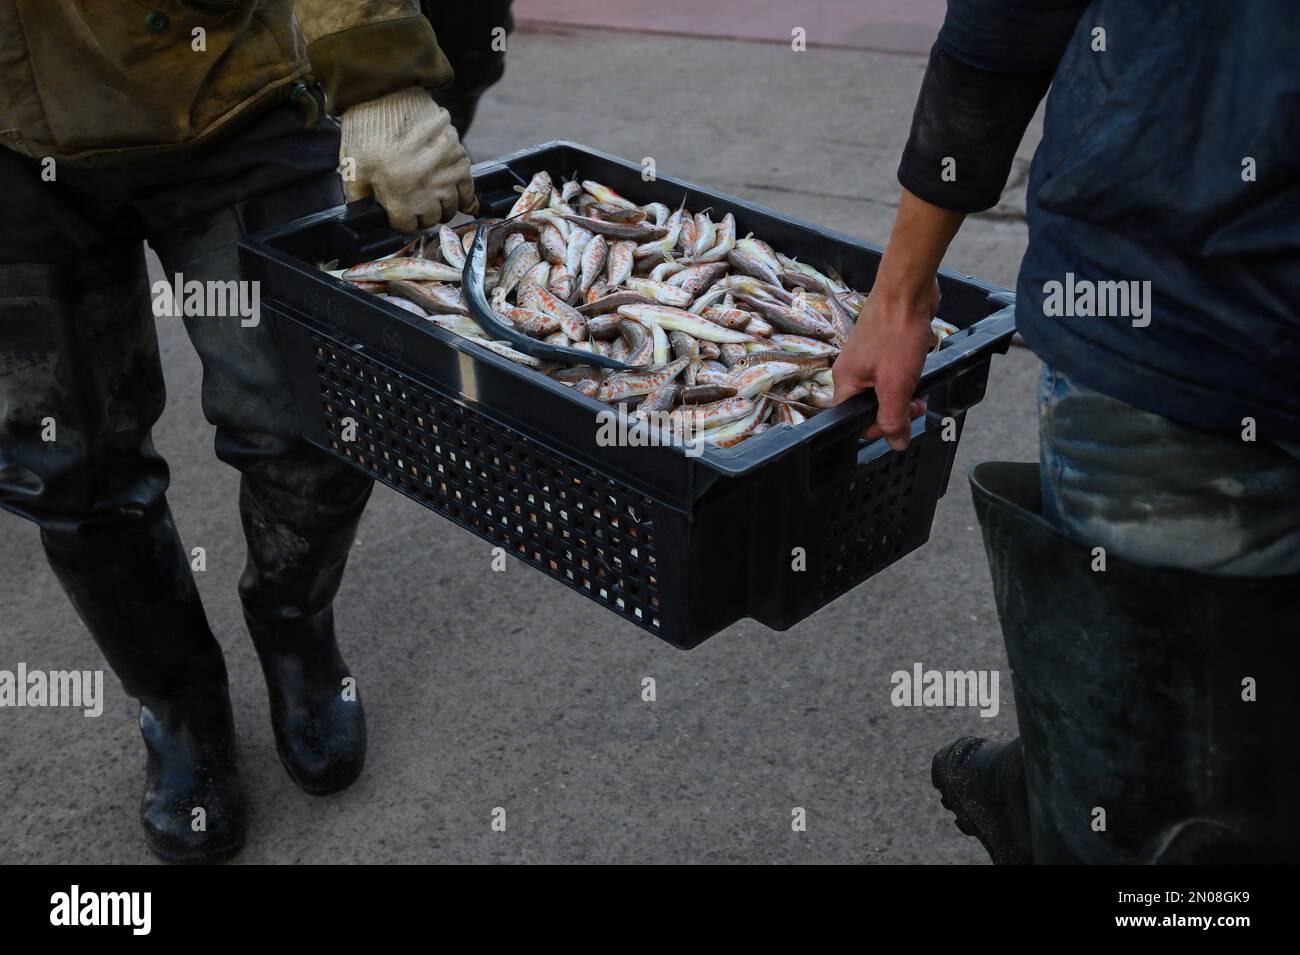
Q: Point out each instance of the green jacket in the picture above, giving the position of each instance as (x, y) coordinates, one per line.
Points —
(86, 79)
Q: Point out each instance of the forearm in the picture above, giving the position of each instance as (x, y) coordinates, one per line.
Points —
(969, 120)
(361, 50)
(918, 242)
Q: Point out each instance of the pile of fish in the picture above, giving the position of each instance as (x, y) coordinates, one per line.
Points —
(727, 336)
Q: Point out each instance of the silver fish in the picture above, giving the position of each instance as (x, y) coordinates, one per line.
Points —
(790, 319)
(505, 351)
(746, 263)
(696, 278)
(675, 319)
(657, 211)
(607, 195)
(797, 273)
(518, 264)
(724, 241)
(403, 304)
(551, 242)
(760, 250)
(665, 270)
(577, 244)
(433, 300)
(732, 434)
(661, 292)
(395, 270)
(802, 345)
(604, 326)
(622, 257)
(640, 348)
(683, 345)
(732, 353)
(715, 414)
(572, 322)
(736, 318)
(593, 260)
(534, 324)
(607, 303)
(706, 394)
(661, 399)
(534, 196)
(757, 379)
(625, 384)
(712, 373)
(453, 253)
(638, 231)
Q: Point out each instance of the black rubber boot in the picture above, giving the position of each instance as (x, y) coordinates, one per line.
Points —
(296, 555)
(193, 808)
(132, 586)
(1156, 711)
(983, 784)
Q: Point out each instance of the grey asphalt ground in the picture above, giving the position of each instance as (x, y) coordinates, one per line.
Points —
(508, 690)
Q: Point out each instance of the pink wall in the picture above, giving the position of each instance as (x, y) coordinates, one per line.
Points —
(903, 26)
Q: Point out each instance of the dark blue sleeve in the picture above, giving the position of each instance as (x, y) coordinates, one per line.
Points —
(990, 67)
(1010, 36)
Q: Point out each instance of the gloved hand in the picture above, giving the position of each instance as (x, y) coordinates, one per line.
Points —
(404, 151)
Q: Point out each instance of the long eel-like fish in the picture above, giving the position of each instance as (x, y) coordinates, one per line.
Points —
(480, 310)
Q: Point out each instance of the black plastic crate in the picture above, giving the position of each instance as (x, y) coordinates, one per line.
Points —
(681, 546)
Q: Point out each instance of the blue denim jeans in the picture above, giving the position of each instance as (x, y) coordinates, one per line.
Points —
(1153, 491)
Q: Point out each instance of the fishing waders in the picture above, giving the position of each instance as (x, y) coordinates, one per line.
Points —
(1155, 705)
(81, 387)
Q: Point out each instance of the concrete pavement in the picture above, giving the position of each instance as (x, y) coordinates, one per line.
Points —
(507, 690)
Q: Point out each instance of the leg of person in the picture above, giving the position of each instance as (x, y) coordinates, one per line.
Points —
(80, 389)
(300, 507)
(473, 37)
(1154, 491)
(1140, 699)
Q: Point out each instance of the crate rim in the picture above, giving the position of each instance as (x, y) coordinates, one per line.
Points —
(965, 348)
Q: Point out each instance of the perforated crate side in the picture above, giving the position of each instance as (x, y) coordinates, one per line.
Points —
(882, 512)
(849, 525)
(576, 525)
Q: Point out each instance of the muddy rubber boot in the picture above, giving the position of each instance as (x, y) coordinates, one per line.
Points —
(131, 584)
(982, 784)
(319, 734)
(297, 552)
(1157, 717)
(193, 807)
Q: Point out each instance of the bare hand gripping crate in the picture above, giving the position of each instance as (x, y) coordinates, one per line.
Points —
(680, 546)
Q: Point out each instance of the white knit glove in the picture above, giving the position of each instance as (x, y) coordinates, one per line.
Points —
(403, 150)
